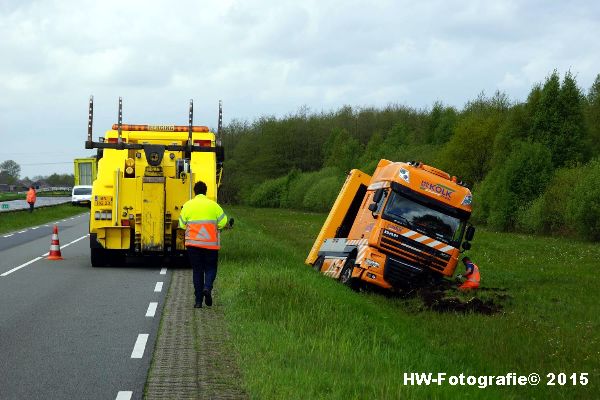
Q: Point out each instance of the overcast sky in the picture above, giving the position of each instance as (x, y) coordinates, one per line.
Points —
(265, 57)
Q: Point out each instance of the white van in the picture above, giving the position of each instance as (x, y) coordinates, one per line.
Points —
(81, 195)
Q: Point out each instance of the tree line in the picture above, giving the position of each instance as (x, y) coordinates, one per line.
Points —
(533, 165)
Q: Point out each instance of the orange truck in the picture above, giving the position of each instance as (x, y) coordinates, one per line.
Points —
(403, 226)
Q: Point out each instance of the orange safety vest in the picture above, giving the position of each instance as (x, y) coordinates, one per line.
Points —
(31, 196)
(203, 234)
(202, 219)
(473, 279)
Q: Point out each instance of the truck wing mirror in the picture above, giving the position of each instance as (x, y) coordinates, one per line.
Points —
(470, 233)
(377, 195)
(466, 245)
(373, 207)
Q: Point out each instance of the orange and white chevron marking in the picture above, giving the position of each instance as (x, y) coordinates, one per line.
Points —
(426, 240)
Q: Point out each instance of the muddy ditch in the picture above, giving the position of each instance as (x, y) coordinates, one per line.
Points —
(444, 297)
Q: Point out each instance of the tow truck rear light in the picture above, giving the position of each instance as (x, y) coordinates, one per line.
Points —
(125, 222)
(203, 143)
(116, 140)
(103, 215)
(160, 128)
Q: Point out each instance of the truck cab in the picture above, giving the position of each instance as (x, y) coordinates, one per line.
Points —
(402, 226)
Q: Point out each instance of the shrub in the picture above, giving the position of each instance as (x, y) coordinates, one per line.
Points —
(269, 193)
(515, 183)
(322, 194)
(584, 204)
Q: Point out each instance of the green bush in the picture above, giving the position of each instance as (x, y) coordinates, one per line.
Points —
(322, 194)
(584, 203)
(530, 218)
(269, 193)
(515, 183)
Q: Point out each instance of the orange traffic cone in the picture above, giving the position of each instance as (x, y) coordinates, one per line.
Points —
(54, 246)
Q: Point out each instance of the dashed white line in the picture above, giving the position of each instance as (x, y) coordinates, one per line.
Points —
(22, 231)
(74, 241)
(35, 227)
(140, 345)
(9, 235)
(163, 271)
(151, 309)
(21, 266)
(124, 395)
(158, 287)
(45, 254)
(47, 225)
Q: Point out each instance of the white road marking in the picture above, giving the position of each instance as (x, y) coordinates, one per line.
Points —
(151, 309)
(22, 231)
(74, 241)
(47, 225)
(140, 345)
(45, 254)
(163, 271)
(21, 266)
(35, 227)
(8, 235)
(124, 395)
(158, 287)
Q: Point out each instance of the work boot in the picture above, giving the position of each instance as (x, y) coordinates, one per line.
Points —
(198, 303)
(207, 297)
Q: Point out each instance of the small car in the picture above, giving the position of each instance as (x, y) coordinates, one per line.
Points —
(81, 195)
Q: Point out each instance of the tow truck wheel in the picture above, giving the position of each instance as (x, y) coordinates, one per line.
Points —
(318, 264)
(98, 257)
(346, 274)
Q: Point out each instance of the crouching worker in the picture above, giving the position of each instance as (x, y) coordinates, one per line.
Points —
(202, 219)
(472, 275)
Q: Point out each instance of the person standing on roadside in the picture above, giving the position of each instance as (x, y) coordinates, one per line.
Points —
(202, 219)
(31, 197)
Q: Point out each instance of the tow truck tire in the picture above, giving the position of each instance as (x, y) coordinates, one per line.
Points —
(346, 274)
(318, 264)
(98, 257)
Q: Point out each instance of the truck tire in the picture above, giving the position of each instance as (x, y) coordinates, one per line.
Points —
(346, 274)
(318, 264)
(98, 257)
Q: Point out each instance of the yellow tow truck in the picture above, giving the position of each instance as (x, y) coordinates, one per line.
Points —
(145, 175)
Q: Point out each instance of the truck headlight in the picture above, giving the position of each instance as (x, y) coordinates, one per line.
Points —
(404, 174)
(467, 200)
(372, 263)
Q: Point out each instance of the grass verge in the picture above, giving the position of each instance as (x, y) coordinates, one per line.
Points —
(302, 335)
(6, 196)
(13, 220)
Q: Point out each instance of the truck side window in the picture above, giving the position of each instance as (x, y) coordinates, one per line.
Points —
(381, 203)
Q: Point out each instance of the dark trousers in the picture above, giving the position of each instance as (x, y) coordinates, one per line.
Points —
(31, 207)
(204, 264)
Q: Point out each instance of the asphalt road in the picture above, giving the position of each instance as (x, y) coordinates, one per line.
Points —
(70, 331)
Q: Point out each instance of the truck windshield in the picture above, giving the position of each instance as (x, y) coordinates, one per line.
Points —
(422, 219)
(81, 191)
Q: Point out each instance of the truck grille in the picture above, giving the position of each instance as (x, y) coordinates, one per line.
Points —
(401, 272)
(413, 252)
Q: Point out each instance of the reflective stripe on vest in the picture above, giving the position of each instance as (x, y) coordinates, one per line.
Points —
(202, 233)
(474, 276)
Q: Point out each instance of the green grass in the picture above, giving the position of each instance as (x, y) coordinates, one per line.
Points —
(301, 335)
(13, 220)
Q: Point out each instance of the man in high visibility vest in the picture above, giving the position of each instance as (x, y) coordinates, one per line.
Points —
(202, 219)
(472, 275)
(31, 197)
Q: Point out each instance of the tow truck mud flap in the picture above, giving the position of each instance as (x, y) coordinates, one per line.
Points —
(114, 237)
(153, 214)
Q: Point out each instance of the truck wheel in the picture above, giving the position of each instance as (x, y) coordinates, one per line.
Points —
(318, 264)
(98, 256)
(346, 274)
